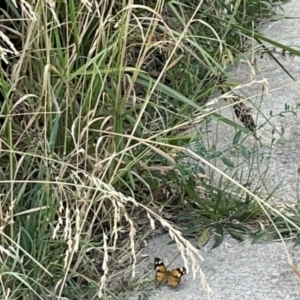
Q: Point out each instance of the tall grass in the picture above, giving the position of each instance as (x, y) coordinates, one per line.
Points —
(98, 103)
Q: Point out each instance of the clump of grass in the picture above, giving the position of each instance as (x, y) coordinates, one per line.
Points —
(96, 101)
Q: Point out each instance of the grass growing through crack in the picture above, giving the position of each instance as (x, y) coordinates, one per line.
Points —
(98, 103)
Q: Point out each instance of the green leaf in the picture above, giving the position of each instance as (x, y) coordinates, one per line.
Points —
(227, 162)
(297, 240)
(278, 220)
(243, 228)
(203, 237)
(216, 153)
(213, 154)
(192, 230)
(237, 137)
(260, 237)
(237, 234)
(218, 237)
(244, 152)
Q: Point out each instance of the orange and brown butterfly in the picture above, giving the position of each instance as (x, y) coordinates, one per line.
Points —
(171, 277)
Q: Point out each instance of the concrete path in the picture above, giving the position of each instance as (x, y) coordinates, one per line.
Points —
(245, 271)
(234, 271)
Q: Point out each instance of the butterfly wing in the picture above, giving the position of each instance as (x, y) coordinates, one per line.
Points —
(161, 270)
(174, 276)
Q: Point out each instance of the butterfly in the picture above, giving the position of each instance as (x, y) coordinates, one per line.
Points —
(172, 277)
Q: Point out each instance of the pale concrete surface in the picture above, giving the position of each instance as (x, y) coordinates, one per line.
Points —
(245, 271)
(234, 271)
